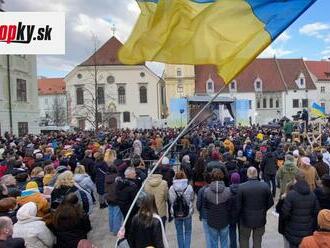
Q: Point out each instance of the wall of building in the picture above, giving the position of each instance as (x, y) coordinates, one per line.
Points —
(21, 67)
(131, 78)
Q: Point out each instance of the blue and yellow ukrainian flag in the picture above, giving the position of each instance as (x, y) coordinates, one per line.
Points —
(227, 33)
(318, 111)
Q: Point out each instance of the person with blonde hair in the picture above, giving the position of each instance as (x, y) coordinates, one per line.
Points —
(110, 156)
(83, 179)
(65, 185)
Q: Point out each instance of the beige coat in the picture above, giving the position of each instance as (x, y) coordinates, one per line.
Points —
(158, 188)
(310, 176)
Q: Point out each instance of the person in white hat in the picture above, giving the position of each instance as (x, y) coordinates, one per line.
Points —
(309, 171)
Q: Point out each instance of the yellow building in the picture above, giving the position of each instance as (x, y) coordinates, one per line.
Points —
(179, 81)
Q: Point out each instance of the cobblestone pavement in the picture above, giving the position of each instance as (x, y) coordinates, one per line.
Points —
(101, 237)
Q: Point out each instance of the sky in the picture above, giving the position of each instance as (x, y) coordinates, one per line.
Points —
(308, 37)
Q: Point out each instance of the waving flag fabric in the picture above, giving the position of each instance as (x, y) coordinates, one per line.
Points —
(227, 33)
(317, 110)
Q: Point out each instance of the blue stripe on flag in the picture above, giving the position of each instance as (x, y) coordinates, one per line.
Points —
(203, 1)
(318, 107)
(277, 15)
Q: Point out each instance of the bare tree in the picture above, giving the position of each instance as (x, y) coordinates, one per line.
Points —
(59, 115)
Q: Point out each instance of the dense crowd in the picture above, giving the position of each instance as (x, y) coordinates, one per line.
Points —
(50, 184)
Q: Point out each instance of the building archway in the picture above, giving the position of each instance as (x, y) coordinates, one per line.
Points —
(113, 124)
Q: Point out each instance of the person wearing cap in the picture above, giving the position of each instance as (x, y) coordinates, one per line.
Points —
(309, 171)
(167, 172)
(300, 209)
(320, 238)
(286, 173)
(323, 193)
(32, 194)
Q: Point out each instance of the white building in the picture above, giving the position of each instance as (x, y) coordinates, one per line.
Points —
(320, 71)
(128, 96)
(52, 101)
(274, 87)
(19, 73)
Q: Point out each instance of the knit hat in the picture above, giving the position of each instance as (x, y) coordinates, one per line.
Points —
(235, 178)
(31, 185)
(323, 219)
(295, 153)
(215, 155)
(306, 161)
(165, 161)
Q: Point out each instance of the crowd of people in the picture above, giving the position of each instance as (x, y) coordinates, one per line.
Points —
(229, 176)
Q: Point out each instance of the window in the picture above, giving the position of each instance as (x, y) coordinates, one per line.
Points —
(180, 88)
(142, 74)
(81, 124)
(21, 90)
(277, 103)
(322, 89)
(233, 86)
(110, 79)
(210, 86)
(46, 101)
(295, 103)
(302, 82)
(79, 76)
(258, 85)
(23, 128)
(100, 95)
(99, 117)
(178, 72)
(121, 95)
(305, 103)
(258, 104)
(143, 94)
(127, 117)
(250, 104)
(264, 103)
(271, 103)
(80, 96)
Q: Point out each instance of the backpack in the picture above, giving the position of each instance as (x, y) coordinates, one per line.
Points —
(180, 205)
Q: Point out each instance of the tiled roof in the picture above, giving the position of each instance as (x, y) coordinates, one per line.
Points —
(51, 86)
(107, 54)
(320, 69)
(270, 71)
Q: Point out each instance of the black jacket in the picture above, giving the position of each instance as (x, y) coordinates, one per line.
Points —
(323, 195)
(268, 165)
(300, 209)
(89, 166)
(142, 236)
(253, 200)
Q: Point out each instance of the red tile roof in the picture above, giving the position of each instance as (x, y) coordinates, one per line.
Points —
(268, 70)
(107, 54)
(320, 69)
(51, 86)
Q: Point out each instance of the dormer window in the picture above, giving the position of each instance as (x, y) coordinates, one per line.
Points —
(258, 84)
(233, 86)
(301, 81)
(210, 86)
(178, 72)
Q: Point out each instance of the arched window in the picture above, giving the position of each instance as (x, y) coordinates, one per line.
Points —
(80, 96)
(143, 94)
(210, 86)
(121, 95)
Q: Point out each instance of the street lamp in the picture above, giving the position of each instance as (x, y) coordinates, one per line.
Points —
(181, 112)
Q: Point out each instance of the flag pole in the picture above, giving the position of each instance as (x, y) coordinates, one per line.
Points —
(166, 152)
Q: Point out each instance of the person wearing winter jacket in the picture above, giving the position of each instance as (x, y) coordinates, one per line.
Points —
(286, 173)
(235, 180)
(89, 164)
(115, 215)
(309, 171)
(320, 238)
(101, 168)
(6, 231)
(32, 194)
(186, 167)
(254, 200)
(299, 210)
(323, 193)
(218, 202)
(157, 187)
(147, 229)
(268, 168)
(182, 190)
(70, 223)
(126, 190)
(83, 179)
(32, 229)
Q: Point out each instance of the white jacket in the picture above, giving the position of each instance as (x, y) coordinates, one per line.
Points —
(32, 229)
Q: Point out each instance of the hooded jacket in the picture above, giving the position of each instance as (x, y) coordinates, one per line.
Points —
(32, 229)
(300, 209)
(85, 181)
(318, 240)
(286, 174)
(218, 203)
(181, 186)
(158, 187)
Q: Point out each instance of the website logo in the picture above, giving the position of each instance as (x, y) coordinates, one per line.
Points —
(32, 33)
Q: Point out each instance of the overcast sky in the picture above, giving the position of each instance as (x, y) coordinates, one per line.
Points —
(308, 38)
